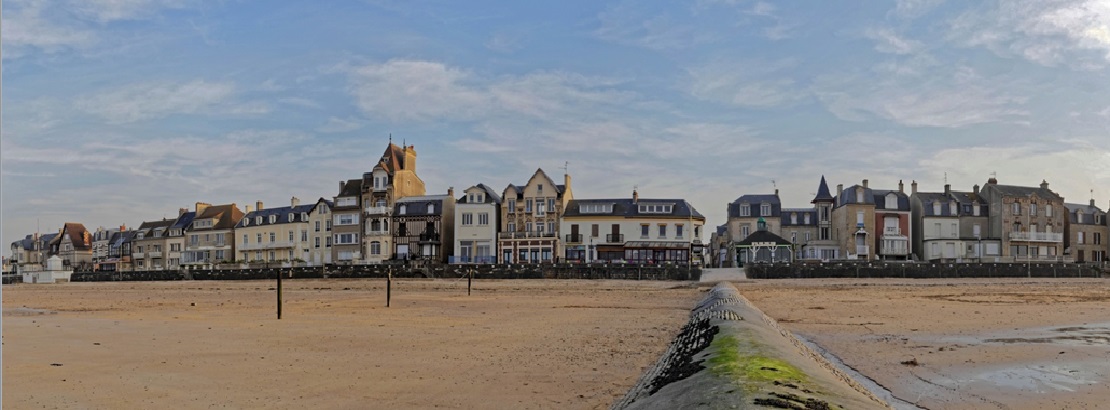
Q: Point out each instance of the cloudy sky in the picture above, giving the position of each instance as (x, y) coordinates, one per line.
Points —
(119, 111)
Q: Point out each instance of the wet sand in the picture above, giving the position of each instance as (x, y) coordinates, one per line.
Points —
(512, 344)
(964, 344)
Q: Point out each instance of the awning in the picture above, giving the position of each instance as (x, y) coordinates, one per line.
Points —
(657, 245)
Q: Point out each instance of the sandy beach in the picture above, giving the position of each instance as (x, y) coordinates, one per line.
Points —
(959, 344)
(512, 344)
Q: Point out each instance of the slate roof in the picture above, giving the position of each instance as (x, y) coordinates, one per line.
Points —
(27, 243)
(282, 214)
(801, 212)
(754, 201)
(418, 205)
(184, 220)
(763, 236)
(880, 200)
(491, 197)
(1089, 213)
(353, 187)
(228, 215)
(1014, 190)
(393, 159)
(721, 229)
(626, 208)
(823, 192)
(46, 239)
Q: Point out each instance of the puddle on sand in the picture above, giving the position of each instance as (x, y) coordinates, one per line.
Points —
(875, 388)
(24, 311)
(1037, 378)
(1085, 335)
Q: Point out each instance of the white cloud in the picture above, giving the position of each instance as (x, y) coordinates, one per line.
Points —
(300, 102)
(156, 100)
(887, 41)
(1074, 32)
(26, 28)
(629, 25)
(752, 83)
(104, 11)
(909, 9)
(336, 125)
(416, 90)
(940, 99)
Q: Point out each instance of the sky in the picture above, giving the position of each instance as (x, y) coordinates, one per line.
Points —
(120, 111)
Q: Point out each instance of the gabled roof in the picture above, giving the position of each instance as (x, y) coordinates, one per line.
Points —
(625, 207)
(281, 214)
(823, 194)
(78, 235)
(353, 187)
(491, 196)
(228, 215)
(392, 159)
(184, 220)
(763, 236)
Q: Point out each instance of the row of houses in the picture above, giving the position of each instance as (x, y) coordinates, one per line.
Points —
(387, 215)
(992, 223)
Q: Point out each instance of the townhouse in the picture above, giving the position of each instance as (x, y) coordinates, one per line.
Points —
(530, 216)
(102, 237)
(423, 227)
(1028, 220)
(344, 225)
(1086, 233)
(28, 253)
(745, 212)
(73, 245)
(211, 237)
(392, 178)
(631, 230)
(267, 235)
(319, 224)
(872, 223)
(476, 222)
(824, 245)
(148, 245)
(950, 226)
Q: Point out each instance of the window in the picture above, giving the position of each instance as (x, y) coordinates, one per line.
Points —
(219, 254)
(807, 219)
(765, 209)
(859, 195)
(431, 209)
(328, 225)
(744, 231)
(290, 236)
(246, 221)
(644, 228)
(512, 206)
(952, 208)
(936, 229)
(511, 227)
(304, 235)
(193, 239)
(859, 218)
(793, 218)
(540, 207)
(527, 206)
(1015, 208)
(807, 236)
(977, 230)
(375, 248)
(483, 219)
(273, 237)
(317, 226)
(936, 207)
(1048, 210)
(662, 230)
(955, 231)
(245, 237)
(345, 238)
(891, 201)
(259, 237)
(594, 230)
(793, 237)
(467, 219)
(402, 209)
(258, 220)
(346, 201)
(550, 204)
(551, 227)
(289, 217)
(346, 219)
(595, 208)
(1032, 209)
(539, 227)
(823, 234)
(1079, 237)
(1096, 238)
(317, 242)
(655, 209)
(678, 230)
(745, 210)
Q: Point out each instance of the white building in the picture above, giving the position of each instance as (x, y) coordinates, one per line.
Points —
(276, 234)
(632, 230)
(476, 223)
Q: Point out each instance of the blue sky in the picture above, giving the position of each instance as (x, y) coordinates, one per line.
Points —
(119, 111)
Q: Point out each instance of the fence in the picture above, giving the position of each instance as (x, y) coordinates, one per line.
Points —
(922, 270)
(413, 270)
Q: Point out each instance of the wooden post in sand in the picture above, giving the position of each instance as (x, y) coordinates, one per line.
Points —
(468, 280)
(388, 286)
(279, 294)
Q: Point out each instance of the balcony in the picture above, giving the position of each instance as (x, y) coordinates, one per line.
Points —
(614, 238)
(1037, 236)
(138, 255)
(574, 238)
(378, 232)
(155, 254)
(429, 238)
(378, 210)
(525, 235)
(265, 245)
(892, 230)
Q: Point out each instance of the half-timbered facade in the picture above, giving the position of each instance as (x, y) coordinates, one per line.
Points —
(423, 227)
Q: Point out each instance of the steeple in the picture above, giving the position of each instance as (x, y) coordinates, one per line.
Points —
(823, 194)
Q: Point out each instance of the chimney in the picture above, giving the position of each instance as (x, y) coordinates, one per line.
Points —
(246, 209)
(410, 159)
(975, 189)
(201, 206)
(913, 187)
(992, 181)
(182, 211)
(451, 191)
(1044, 184)
(566, 182)
(294, 201)
(1092, 202)
(947, 189)
(258, 205)
(776, 192)
(341, 185)
(865, 183)
(635, 196)
(123, 228)
(839, 190)
(901, 186)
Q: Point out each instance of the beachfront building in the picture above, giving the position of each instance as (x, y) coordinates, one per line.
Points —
(824, 245)
(148, 246)
(319, 233)
(634, 230)
(269, 235)
(1086, 232)
(530, 216)
(393, 177)
(345, 224)
(30, 253)
(101, 241)
(799, 227)
(872, 223)
(745, 212)
(423, 227)
(763, 246)
(73, 245)
(476, 213)
(1029, 221)
(719, 248)
(211, 237)
(950, 226)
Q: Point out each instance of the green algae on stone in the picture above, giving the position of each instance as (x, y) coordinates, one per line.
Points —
(729, 362)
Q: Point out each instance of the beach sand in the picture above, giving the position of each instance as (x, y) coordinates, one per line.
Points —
(958, 344)
(512, 344)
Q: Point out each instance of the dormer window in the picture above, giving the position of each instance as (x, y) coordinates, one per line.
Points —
(258, 220)
(892, 201)
(765, 209)
(859, 195)
(595, 208)
(402, 209)
(246, 221)
(745, 210)
(975, 209)
(431, 208)
(304, 216)
(290, 217)
(273, 218)
(936, 207)
(952, 207)
(793, 218)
